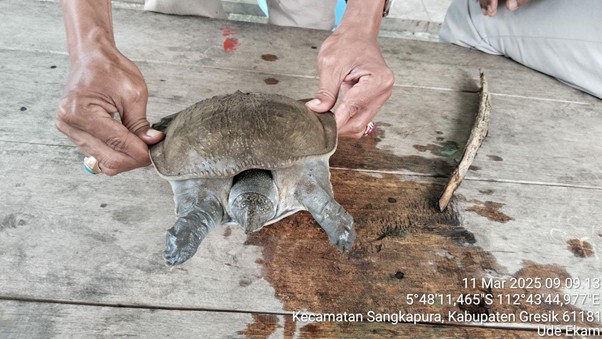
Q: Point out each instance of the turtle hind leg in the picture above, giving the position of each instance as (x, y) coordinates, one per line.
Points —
(331, 216)
(198, 211)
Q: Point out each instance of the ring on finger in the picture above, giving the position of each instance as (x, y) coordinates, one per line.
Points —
(370, 128)
(91, 165)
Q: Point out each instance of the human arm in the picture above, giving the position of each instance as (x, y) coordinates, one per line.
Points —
(350, 61)
(101, 82)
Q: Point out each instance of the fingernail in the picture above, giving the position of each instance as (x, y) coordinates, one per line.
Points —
(313, 103)
(512, 4)
(153, 133)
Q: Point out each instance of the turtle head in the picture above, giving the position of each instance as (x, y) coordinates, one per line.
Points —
(253, 199)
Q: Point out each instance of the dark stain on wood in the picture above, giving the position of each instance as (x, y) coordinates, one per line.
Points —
(227, 232)
(309, 273)
(474, 168)
(269, 57)
(487, 191)
(12, 221)
(363, 154)
(245, 282)
(9, 221)
(271, 81)
(264, 326)
(23, 108)
(495, 157)
(580, 248)
(489, 210)
(103, 205)
(424, 148)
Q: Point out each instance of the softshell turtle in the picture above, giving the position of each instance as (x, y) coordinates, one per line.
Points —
(249, 159)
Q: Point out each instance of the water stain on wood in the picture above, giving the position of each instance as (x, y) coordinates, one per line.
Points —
(487, 191)
(264, 326)
(269, 57)
(580, 248)
(489, 210)
(364, 154)
(271, 81)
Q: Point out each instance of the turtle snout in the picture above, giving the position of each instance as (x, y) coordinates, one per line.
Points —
(252, 211)
(253, 199)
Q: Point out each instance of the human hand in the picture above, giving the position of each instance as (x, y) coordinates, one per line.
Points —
(350, 61)
(101, 83)
(489, 7)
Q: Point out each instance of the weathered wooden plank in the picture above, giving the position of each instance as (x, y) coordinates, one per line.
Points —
(150, 37)
(419, 130)
(51, 320)
(69, 235)
(523, 224)
(82, 238)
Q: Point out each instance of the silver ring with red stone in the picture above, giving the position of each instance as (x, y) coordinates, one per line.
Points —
(370, 128)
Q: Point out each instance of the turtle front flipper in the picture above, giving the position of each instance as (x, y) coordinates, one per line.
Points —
(315, 193)
(198, 211)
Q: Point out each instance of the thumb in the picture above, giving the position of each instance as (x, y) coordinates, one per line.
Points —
(327, 94)
(134, 119)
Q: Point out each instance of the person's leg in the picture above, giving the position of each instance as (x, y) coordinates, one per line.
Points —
(557, 37)
(317, 14)
(207, 8)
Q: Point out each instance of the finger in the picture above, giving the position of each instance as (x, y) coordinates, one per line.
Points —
(488, 7)
(100, 125)
(361, 103)
(331, 77)
(133, 117)
(514, 4)
(109, 160)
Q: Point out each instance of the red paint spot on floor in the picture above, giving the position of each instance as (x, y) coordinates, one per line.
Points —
(230, 45)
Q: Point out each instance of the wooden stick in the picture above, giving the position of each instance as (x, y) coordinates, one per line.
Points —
(477, 135)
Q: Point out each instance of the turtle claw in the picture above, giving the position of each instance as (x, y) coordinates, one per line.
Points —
(181, 244)
(345, 240)
(342, 235)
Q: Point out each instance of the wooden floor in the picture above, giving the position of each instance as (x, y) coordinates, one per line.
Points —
(80, 255)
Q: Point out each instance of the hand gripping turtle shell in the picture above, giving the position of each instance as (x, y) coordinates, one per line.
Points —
(250, 159)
